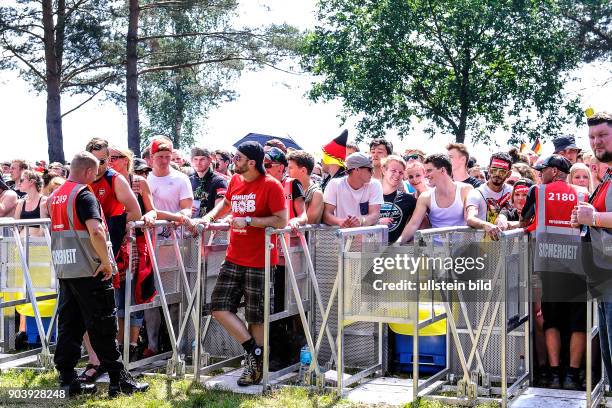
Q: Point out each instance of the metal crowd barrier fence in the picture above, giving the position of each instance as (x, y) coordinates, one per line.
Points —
(173, 290)
(26, 268)
(478, 362)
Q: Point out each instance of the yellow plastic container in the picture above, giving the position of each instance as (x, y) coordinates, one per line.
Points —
(435, 329)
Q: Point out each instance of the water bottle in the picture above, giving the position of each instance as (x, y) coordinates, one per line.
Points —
(305, 360)
(521, 367)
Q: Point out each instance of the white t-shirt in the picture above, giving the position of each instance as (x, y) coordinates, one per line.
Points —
(489, 210)
(169, 190)
(352, 202)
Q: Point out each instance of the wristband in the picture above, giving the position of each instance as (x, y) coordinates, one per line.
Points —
(597, 220)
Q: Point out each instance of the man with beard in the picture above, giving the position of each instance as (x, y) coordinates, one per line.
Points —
(255, 201)
(597, 215)
(484, 203)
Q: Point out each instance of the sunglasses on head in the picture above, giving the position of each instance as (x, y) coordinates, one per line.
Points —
(113, 158)
(411, 157)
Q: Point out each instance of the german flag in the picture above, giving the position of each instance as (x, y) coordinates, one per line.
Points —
(537, 146)
(335, 151)
(523, 147)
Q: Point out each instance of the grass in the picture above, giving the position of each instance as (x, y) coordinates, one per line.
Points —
(176, 394)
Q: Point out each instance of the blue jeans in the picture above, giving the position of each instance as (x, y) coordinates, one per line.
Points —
(136, 318)
(605, 331)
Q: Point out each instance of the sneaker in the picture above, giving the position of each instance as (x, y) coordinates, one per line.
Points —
(253, 371)
(125, 384)
(148, 353)
(572, 382)
(554, 380)
(73, 386)
(21, 341)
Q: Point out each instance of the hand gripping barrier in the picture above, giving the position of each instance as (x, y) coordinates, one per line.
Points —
(25, 266)
(173, 288)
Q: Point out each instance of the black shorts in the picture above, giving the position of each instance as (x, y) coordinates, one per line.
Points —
(563, 301)
(564, 316)
(236, 281)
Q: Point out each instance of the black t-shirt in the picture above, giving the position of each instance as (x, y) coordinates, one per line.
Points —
(529, 209)
(87, 206)
(473, 181)
(207, 189)
(398, 206)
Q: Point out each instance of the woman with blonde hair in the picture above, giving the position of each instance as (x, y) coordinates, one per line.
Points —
(580, 175)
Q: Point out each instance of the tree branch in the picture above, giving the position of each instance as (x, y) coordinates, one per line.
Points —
(86, 100)
(221, 34)
(192, 64)
(19, 57)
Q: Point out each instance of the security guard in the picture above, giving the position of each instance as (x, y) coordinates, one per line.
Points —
(557, 259)
(82, 259)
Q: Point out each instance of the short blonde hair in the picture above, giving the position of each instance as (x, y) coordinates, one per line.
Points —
(128, 154)
(394, 158)
(83, 161)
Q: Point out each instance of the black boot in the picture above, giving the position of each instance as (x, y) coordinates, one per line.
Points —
(73, 387)
(123, 383)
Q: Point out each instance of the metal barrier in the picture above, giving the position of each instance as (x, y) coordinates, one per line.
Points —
(473, 324)
(212, 341)
(11, 282)
(173, 288)
(352, 242)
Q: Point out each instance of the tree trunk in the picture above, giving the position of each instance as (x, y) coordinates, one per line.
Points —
(180, 111)
(131, 91)
(54, 108)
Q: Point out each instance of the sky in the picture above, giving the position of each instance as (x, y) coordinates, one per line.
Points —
(269, 102)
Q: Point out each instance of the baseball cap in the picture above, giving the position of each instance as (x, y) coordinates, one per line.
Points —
(276, 155)
(253, 151)
(556, 161)
(141, 165)
(565, 142)
(357, 160)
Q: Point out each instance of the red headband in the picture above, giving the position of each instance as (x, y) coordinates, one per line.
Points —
(157, 143)
(521, 188)
(500, 164)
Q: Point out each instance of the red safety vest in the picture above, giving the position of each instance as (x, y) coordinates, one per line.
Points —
(288, 188)
(556, 242)
(601, 238)
(72, 254)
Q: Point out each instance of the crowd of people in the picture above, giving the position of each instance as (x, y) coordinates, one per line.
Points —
(565, 195)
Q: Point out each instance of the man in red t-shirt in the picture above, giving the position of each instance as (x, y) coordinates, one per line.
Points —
(255, 201)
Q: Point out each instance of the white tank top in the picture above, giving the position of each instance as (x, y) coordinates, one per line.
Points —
(451, 216)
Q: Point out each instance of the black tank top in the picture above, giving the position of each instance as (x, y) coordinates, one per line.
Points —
(30, 215)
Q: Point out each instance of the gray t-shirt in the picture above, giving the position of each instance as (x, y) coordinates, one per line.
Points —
(489, 202)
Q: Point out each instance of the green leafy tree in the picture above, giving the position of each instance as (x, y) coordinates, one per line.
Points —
(187, 55)
(466, 67)
(591, 24)
(61, 47)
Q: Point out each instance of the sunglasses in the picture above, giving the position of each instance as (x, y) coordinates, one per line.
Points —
(113, 158)
(102, 162)
(269, 165)
(411, 157)
(141, 172)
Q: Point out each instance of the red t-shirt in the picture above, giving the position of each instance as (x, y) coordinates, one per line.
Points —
(599, 201)
(261, 197)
